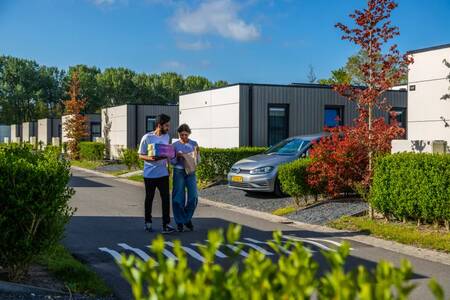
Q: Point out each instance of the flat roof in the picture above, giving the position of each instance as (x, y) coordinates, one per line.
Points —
(443, 46)
(292, 85)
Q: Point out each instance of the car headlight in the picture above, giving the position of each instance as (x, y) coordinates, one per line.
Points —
(262, 170)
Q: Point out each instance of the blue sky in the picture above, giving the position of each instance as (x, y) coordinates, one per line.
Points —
(271, 41)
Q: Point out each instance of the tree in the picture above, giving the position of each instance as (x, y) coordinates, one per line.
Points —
(339, 76)
(75, 126)
(311, 76)
(89, 89)
(196, 83)
(220, 83)
(118, 86)
(380, 72)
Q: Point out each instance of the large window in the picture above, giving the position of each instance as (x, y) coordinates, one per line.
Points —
(334, 115)
(96, 130)
(150, 123)
(278, 127)
(400, 116)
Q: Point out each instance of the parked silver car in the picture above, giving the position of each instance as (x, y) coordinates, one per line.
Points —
(260, 172)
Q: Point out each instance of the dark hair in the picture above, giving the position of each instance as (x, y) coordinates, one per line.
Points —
(185, 128)
(162, 119)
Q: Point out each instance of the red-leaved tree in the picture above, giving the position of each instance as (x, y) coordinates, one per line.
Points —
(344, 160)
(76, 123)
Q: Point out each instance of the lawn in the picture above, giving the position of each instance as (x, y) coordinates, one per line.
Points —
(87, 164)
(405, 233)
(75, 275)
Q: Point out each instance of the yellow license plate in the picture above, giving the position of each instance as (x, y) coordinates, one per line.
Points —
(237, 179)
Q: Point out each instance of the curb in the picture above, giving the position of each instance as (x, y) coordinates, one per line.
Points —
(426, 254)
(11, 287)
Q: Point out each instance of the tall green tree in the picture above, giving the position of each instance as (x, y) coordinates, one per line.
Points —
(89, 89)
(196, 83)
(117, 86)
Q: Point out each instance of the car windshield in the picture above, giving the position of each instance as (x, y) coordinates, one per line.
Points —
(288, 147)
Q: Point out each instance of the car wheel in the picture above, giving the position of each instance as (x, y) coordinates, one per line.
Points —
(277, 189)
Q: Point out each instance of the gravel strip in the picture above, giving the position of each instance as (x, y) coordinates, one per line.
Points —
(112, 168)
(266, 202)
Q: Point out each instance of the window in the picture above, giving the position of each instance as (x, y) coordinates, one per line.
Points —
(400, 116)
(96, 130)
(334, 115)
(150, 123)
(278, 127)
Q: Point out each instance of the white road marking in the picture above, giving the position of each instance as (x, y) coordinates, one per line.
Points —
(294, 238)
(218, 252)
(189, 251)
(117, 256)
(284, 250)
(167, 253)
(236, 249)
(144, 256)
(328, 241)
(256, 247)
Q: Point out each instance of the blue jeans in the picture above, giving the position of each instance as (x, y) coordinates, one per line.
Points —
(183, 209)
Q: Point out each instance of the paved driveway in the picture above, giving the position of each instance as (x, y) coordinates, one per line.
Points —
(109, 222)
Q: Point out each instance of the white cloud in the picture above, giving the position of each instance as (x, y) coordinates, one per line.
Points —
(194, 46)
(215, 17)
(173, 65)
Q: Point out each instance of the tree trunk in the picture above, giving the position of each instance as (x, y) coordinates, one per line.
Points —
(447, 225)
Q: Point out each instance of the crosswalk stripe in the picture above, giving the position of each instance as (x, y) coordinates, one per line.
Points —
(294, 238)
(139, 252)
(235, 249)
(256, 247)
(167, 253)
(218, 252)
(284, 250)
(113, 253)
(328, 241)
(189, 251)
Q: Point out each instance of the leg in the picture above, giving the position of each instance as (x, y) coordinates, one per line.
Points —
(163, 188)
(192, 199)
(150, 186)
(178, 196)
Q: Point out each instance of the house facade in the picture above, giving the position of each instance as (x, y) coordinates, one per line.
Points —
(5, 133)
(47, 129)
(128, 123)
(94, 126)
(247, 114)
(428, 116)
(29, 129)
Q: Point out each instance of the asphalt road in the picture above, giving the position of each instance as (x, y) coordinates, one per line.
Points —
(109, 222)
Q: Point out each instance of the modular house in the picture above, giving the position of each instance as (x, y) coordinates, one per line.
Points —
(428, 115)
(5, 133)
(94, 127)
(29, 129)
(16, 133)
(128, 123)
(47, 129)
(246, 114)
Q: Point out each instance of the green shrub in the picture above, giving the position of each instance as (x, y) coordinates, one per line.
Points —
(55, 150)
(291, 276)
(130, 157)
(293, 178)
(92, 150)
(216, 163)
(34, 205)
(412, 186)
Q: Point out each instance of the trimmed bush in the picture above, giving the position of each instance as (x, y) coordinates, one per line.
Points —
(412, 186)
(92, 150)
(293, 178)
(216, 163)
(289, 276)
(130, 158)
(34, 205)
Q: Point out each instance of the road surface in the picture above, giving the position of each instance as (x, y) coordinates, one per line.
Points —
(109, 222)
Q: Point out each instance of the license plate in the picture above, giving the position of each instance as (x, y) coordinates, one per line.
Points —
(237, 179)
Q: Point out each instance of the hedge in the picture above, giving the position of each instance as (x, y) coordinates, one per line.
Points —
(34, 206)
(92, 150)
(293, 178)
(293, 274)
(216, 163)
(130, 158)
(413, 186)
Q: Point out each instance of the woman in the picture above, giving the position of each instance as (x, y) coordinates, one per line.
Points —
(183, 209)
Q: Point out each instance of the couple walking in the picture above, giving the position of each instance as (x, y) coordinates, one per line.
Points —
(156, 175)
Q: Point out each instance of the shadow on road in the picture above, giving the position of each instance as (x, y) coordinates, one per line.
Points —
(78, 181)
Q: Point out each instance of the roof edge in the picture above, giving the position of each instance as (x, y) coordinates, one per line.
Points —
(437, 47)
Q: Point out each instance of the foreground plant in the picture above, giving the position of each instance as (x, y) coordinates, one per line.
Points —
(293, 275)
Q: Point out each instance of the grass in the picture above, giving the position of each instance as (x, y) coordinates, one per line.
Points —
(282, 211)
(405, 233)
(139, 178)
(87, 164)
(77, 276)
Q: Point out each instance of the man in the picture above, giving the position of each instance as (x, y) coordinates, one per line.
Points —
(156, 174)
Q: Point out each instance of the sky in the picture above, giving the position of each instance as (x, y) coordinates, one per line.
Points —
(259, 41)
